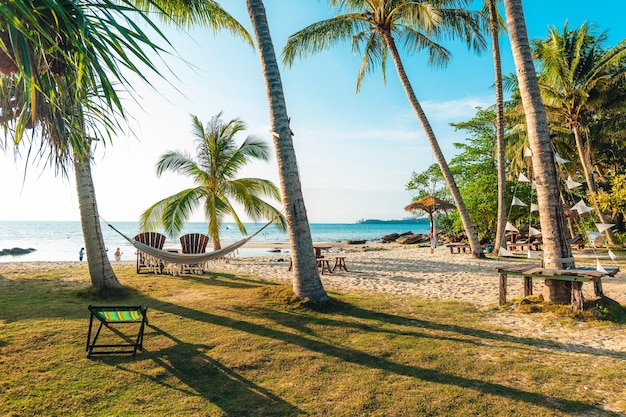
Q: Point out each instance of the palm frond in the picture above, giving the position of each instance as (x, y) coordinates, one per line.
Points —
(323, 35)
(189, 13)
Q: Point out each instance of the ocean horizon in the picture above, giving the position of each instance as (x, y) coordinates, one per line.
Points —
(62, 240)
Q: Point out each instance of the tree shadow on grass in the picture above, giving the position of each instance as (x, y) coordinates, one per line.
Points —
(203, 376)
(226, 280)
(375, 362)
(353, 311)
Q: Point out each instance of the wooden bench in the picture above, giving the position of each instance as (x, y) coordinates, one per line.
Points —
(459, 247)
(521, 245)
(463, 247)
(324, 264)
(576, 276)
(340, 263)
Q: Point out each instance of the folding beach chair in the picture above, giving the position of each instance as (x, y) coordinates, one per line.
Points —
(110, 316)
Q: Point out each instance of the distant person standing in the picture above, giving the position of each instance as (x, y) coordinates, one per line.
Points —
(81, 254)
(118, 255)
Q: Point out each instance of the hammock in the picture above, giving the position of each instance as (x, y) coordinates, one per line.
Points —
(188, 258)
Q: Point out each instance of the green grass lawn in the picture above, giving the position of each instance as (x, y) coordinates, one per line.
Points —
(224, 345)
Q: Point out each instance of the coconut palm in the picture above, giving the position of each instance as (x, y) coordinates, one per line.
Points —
(375, 26)
(576, 78)
(306, 279)
(490, 9)
(218, 159)
(62, 63)
(557, 252)
(306, 282)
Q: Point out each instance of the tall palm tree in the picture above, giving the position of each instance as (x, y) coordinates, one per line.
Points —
(577, 74)
(62, 63)
(218, 158)
(306, 280)
(490, 8)
(374, 26)
(557, 251)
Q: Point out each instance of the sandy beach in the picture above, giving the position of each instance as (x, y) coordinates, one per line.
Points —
(411, 270)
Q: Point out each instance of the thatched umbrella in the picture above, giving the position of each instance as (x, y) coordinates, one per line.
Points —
(430, 204)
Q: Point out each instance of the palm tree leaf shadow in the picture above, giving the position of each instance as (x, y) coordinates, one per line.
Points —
(206, 377)
(227, 280)
(368, 360)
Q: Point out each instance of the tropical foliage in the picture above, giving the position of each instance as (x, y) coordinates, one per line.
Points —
(581, 81)
(63, 64)
(218, 159)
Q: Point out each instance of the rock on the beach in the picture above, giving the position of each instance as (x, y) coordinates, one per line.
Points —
(411, 239)
(389, 238)
(16, 251)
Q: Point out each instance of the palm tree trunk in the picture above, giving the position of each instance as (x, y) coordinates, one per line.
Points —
(100, 270)
(500, 145)
(306, 280)
(443, 165)
(557, 252)
(583, 154)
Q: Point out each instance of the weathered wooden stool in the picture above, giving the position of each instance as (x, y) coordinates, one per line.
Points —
(324, 264)
(340, 262)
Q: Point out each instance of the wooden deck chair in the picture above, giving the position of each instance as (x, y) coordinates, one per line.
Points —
(156, 240)
(193, 243)
(109, 316)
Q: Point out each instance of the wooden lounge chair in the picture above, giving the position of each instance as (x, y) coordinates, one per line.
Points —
(109, 316)
(156, 240)
(193, 243)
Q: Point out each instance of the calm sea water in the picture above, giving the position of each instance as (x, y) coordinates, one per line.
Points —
(61, 241)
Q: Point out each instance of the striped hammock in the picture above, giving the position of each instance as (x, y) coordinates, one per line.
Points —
(189, 258)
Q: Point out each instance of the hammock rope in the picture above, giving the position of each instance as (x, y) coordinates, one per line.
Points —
(188, 258)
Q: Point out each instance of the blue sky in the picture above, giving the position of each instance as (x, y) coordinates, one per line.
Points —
(356, 152)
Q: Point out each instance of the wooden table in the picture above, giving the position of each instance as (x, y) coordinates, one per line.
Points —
(319, 248)
(577, 276)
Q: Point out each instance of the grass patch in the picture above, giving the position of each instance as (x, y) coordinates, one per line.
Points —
(224, 345)
(595, 310)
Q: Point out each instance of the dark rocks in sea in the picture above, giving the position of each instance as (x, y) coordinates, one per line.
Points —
(16, 251)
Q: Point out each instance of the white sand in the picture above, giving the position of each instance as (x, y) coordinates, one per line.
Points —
(409, 270)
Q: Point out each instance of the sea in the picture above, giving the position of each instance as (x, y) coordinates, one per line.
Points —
(62, 240)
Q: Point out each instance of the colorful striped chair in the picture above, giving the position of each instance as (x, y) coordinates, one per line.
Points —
(109, 316)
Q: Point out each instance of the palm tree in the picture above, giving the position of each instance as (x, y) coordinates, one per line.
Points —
(217, 161)
(62, 63)
(306, 279)
(577, 75)
(557, 252)
(306, 282)
(374, 26)
(490, 8)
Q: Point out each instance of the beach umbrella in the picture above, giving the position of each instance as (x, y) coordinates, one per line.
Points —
(430, 204)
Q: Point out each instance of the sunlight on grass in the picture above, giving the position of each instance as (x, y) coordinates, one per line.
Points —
(222, 345)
